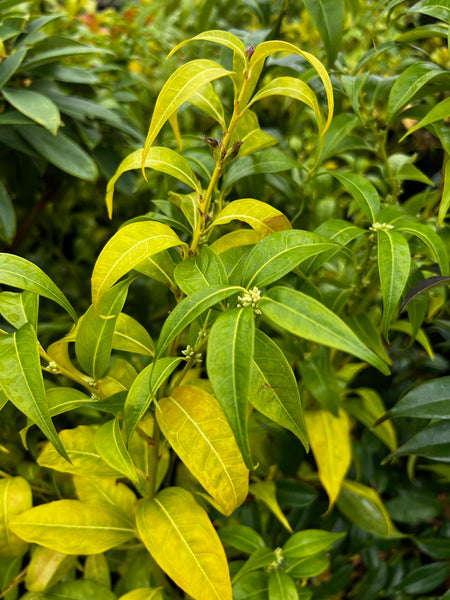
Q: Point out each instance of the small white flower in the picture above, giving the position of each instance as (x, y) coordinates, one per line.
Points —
(250, 298)
(52, 366)
(381, 226)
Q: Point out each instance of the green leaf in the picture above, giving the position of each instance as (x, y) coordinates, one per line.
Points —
(81, 589)
(266, 492)
(144, 389)
(432, 442)
(424, 579)
(209, 102)
(409, 83)
(72, 527)
(431, 400)
(433, 242)
(229, 363)
(402, 169)
(241, 537)
(439, 112)
(189, 309)
(248, 132)
(281, 586)
(20, 273)
(111, 448)
(46, 568)
(278, 253)
(445, 201)
(273, 388)
(61, 151)
(131, 336)
(7, 216)
(362, 506)
(181, 85)
(329, 437)
(160, 159)
(36, 106)
(56, 46)
(179, 535)
(394, 262)
(308, 567)
(194, 425)
(265, 161)
(19, 308)
(95, 333)
(96, 569)
(319, 377)
(129, 247)
(259, 559)
(197, 272)
(434, 547)
(85, 460)
(364, 193)
(259, 215)
(144, 593)
(367, 331)
(10, 65)
(306, 317)
(22, 380)
(15, 498)
(309, 542)
(329, 17)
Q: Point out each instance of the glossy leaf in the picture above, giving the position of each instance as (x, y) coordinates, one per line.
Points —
(309, 542)
(329, 18)
(181, 85)
(189, 309)
(432, 442)
(433, 242)
(261, 558)
(198, 272)
(241, 537)
(160, 159)
(129, 247)
(229, 363)
(179, 535)
(259, 215)
(265, 161)
(430, 400)
(253, 586)
(422, 287)
(394, 261)
(22, 380)
(144, 389)
(320, 379)
(111, 448)
(277, 254)
(273, 388)
(425, 578)
(15, 498)
(329, 437)
(131, 336)
(281, 586)
(209, 102)
(306, 317)
(194, 425)
(10, 65)
(403, 169)
(248, 132)
(20, 273)
(72, 527)
(35, 106)
(106, 491)
(439, 112)
(266, 492)
(364, 193)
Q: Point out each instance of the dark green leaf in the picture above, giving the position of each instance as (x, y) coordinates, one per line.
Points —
(265, 161)
(241, 537)
(424, 579)
(432, 442)
(197, 272)
(329, 17)
(7, 216)
(431, 400)
(35, 106)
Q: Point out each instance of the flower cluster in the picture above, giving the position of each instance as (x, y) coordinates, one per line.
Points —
(190, 354)
(250, 298)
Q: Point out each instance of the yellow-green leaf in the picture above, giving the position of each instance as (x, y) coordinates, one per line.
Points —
(15, 497)
(72, 527)
(131, 336)
(129, 247)
(329, 437)
(179, 535)
(445, 201)
(144, 593)
(111, 447)
(104, 490)
(46, 568)
(259, 215)
(234, 239)
(160, 159)
(266, 492)
(196, 428)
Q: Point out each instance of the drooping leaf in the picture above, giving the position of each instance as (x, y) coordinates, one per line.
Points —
(273, 388)
(198, 272)
(328, 16)
(364, 193)
(160, 159)
(15, 498)
(209, 102)
(72, 527)
(229, 364)
(131, 336)
(35, 106)
(129, 247)
(179, 535)
(194, 425)
(422, 287)
(20, 273)
(22, 380)
(306, 317)
(259, 215)
(111, 448)
(266, 492)
(329, 437)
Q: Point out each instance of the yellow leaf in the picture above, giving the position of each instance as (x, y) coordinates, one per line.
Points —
(15, 497)
(179, 535)
(266, 492)
(196, 428)
(240, 237)
(259, 215)
(329, 437)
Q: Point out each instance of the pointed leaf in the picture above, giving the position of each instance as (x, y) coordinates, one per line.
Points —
(320, 378)
(20, 273)
(402, 169)
(15, 498)
(277, 254)
(179, 535)
(189, 309)
(266, 492)
(439, 112)
(421, 287)
(209, 102)
(10, 65)
(131, 336)
(259, 215)
(432, 442)
(445, 201)
(273, 388)
(394, 261)
(364, 193)
(72, 527)
(433, 242)
(181, 85)
(22, 380)
(105, 490)
(281, 586)
(194, 425)
(19, 308)
(265, 161)
(144, 389)
(223, 38)
(197, 272)
(431, 400)
(241, 537)
(306, 317)
(129, 247)
(329, 17)
(111, 448)
(309, 542)
(35, 106)
(329, 437)
(248, 132)
(229, 363)
(160, 159)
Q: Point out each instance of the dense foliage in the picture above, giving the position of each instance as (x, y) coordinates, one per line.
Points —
(238, 385)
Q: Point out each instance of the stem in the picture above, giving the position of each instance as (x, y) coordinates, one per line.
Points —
(15, 582)
(154, 461)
